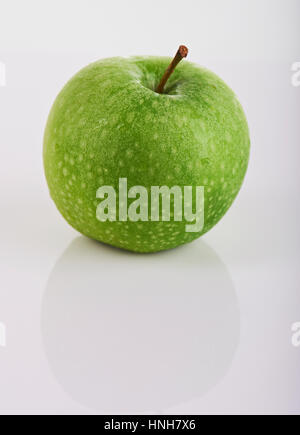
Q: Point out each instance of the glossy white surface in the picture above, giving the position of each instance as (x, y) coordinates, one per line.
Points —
(206, 328)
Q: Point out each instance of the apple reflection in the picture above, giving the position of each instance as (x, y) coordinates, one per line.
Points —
(126, 332)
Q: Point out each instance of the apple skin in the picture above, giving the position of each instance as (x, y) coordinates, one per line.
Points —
(109, 123)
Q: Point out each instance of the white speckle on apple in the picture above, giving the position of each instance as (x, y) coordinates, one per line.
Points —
(130, 117)
(228, 136)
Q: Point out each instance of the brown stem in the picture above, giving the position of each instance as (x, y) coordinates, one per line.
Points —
(181, 53)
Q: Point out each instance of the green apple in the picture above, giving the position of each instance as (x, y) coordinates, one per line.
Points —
(116, 119)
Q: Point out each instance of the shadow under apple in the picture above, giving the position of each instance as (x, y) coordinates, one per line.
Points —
(125, 332)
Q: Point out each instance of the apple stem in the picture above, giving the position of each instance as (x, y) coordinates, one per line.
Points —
(181, 53)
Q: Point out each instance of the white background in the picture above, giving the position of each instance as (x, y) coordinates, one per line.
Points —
(203, 329)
